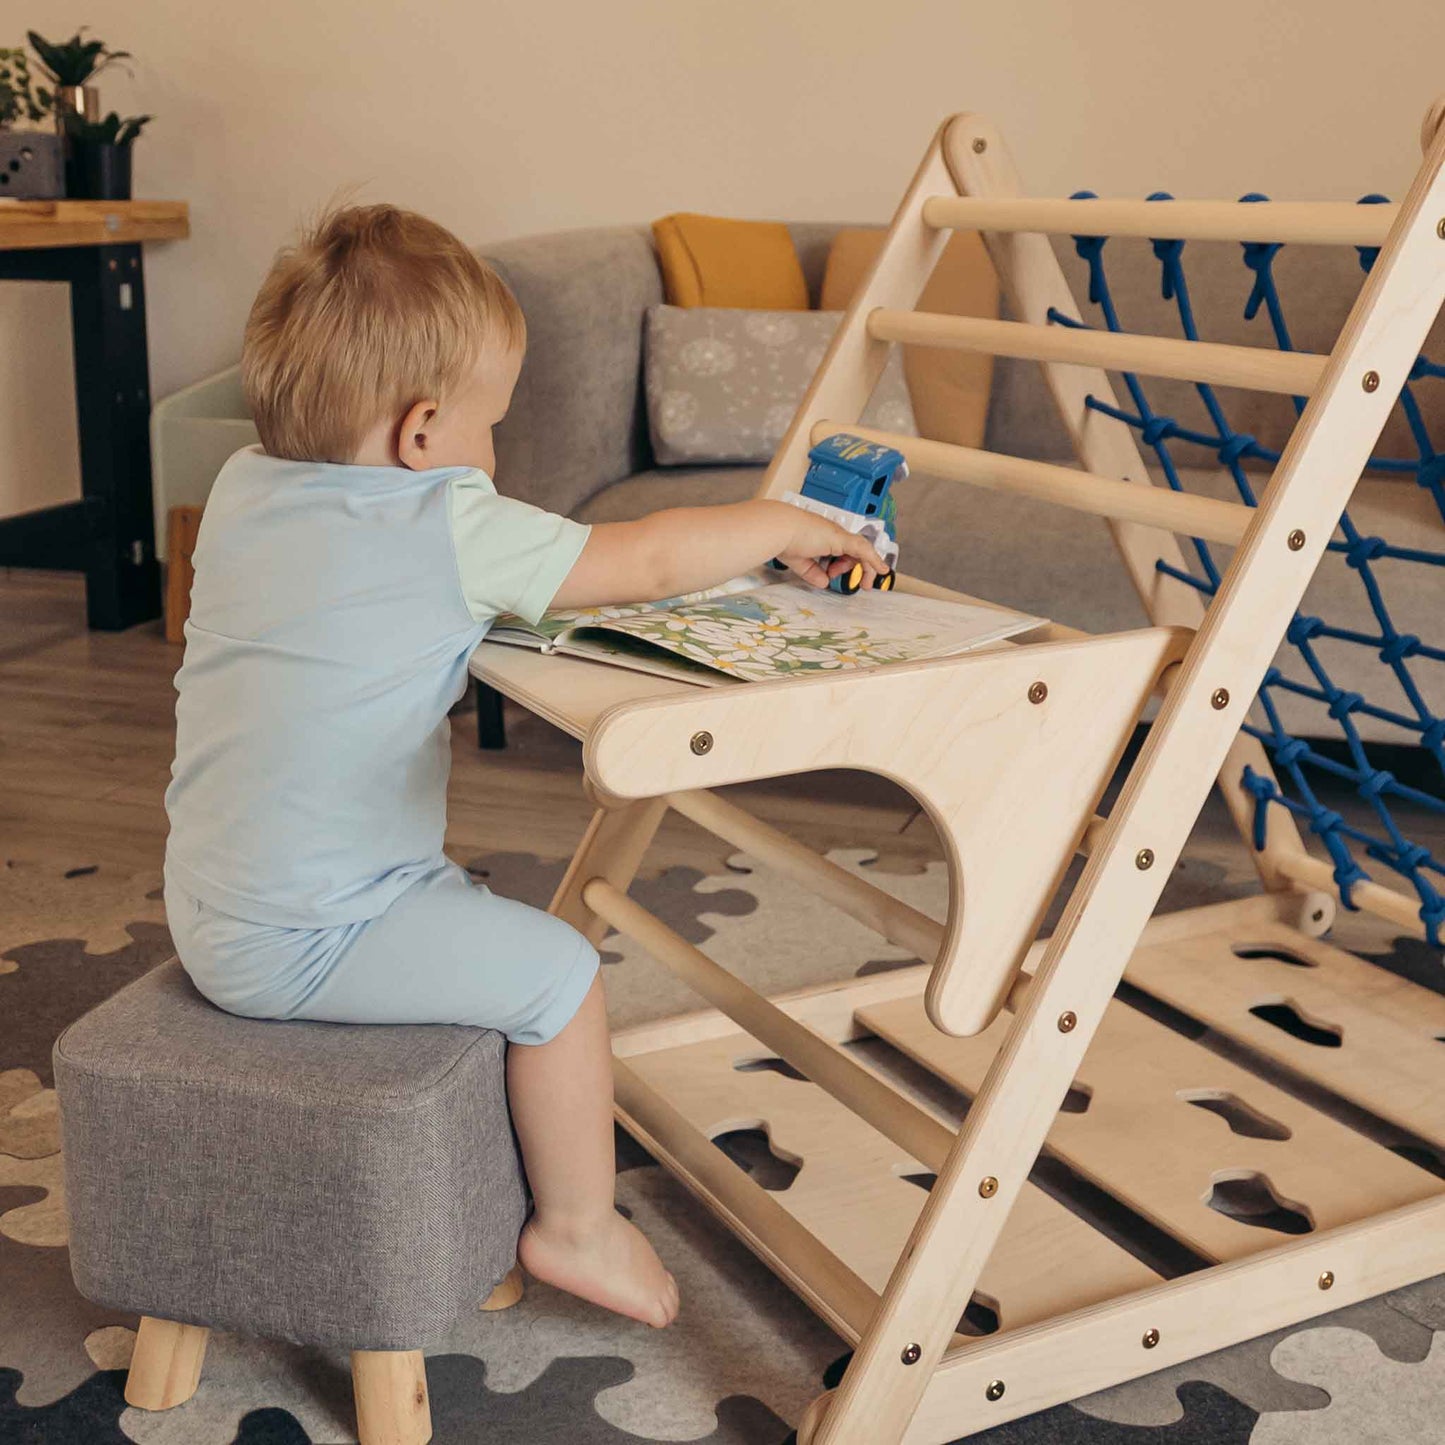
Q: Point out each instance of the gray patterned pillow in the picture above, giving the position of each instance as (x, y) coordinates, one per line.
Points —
(723, 383)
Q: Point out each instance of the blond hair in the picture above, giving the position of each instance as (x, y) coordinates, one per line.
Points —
(371, 311)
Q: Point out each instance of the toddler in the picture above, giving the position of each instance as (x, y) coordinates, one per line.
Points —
(346, 569)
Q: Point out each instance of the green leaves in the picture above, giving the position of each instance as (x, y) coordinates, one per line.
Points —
(74, 61)
(111, 131)
(20, 99)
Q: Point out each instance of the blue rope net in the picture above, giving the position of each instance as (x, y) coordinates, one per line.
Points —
(1300, 764)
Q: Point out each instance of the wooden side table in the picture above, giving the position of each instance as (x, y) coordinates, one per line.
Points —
(108, 534)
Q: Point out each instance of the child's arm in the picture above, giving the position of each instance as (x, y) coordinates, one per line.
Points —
(686, 549)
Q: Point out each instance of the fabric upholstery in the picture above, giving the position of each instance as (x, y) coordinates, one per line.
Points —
(714, 261)
(949, 389)
(723, 382)
(319, 1183)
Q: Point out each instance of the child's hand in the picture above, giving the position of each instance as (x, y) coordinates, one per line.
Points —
(819, 550)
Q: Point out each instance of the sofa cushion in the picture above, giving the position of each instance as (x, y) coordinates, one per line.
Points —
(713, 261)
(949, 389)
(723, 383)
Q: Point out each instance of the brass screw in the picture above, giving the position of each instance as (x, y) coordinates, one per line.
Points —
(980, 145)
(1296, 540)
(994, 1391)
(1219, 699)
(988, 1187)
(1327, 1279)
(1440, 228)
(1371, 381)
(1038, 691)
(1144, 859)
(1151, 1338)
(1068, 1021)
(701, 743)
(911, 1354)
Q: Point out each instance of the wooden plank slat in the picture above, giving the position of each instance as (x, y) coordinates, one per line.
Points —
(1141, 1140)
(1390, 1059)
(852, 1194)
(39, 225)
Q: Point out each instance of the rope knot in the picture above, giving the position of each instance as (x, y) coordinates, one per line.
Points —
(1240, 444)
(1342, 704)
(1431, 473)
(1399, 647)
(1290, 751)
(1378, 782)
(1158, 429)
(1365, 549)
(1304, 629)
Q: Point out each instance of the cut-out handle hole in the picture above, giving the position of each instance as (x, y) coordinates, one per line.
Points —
(1251, 1199)
(1273, 951)
(769, 1065)
(1077, 1100)
(1242, 1118)
(752, 1150)
(1287, 1016)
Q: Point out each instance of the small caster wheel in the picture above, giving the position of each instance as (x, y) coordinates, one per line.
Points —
(850, 581)
(885, 581)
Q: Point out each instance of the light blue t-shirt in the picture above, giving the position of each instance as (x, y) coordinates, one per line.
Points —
(333, 613)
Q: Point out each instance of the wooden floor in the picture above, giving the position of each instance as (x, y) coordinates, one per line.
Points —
(87, 738)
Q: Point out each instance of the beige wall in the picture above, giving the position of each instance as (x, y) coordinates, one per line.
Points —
(503, 117)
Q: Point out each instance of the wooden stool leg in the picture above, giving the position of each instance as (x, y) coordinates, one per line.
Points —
(392, 1407)
(166, 1365)
(506, 1294)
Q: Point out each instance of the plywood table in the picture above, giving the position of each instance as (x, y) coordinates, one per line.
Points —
(95, 247)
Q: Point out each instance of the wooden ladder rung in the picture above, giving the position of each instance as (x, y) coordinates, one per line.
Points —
(1128, 501)
(1295, 373)
(1317, 223)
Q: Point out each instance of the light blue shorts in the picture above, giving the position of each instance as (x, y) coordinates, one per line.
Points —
(447, 951)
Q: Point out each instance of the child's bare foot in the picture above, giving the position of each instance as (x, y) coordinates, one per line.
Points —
(611, 1264)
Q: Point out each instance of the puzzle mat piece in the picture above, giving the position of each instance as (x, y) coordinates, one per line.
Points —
(89, 903)
(1423, 1302)
(58, 980)
(45, 1324)
(1210, 1416)
(739, 1331)
(1373, 1400)
(29, 1116)
(564, 1403)
(775, 946)
(242, 1374)
(1245, 1371)
(87, 1415)
(38, 1221)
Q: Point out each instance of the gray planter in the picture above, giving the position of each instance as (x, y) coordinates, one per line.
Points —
(31, 166)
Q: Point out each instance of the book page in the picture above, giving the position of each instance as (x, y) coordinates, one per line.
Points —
(788, 629)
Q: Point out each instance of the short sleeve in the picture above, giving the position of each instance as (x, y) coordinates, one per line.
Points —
(511, 556)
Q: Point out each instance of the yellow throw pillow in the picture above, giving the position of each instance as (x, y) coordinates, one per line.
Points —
(950, 389)
(711, 261)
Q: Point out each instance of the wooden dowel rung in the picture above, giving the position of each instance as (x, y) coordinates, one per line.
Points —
(886, 915)
(1255, 368)
(864, 1092)
(1310, 223)
(788, 1247)
(1387, 903)
(1190, 516)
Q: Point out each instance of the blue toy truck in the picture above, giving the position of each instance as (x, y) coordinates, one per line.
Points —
(849, 481)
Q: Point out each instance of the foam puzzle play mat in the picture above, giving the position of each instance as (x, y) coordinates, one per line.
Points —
(969, 1295)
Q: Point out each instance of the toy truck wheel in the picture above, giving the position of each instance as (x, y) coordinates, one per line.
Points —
(850, 581)
(885, 581)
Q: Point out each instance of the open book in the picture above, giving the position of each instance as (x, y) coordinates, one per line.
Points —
(765, 626)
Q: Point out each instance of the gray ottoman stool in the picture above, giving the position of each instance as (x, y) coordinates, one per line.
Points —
(319, 1183)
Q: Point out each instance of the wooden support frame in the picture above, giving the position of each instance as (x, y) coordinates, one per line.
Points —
(910, 1377)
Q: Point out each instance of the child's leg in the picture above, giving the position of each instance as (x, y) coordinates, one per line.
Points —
(561, 1098)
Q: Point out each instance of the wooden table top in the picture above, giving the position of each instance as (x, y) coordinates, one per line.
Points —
(38, 225)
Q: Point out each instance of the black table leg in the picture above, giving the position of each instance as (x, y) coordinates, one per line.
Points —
(491, 729)
(112, 395)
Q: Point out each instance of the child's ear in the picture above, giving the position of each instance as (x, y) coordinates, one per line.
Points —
(412, 437)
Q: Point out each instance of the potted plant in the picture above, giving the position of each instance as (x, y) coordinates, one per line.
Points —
(30, 159)
(100, 167)
(71, 65)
